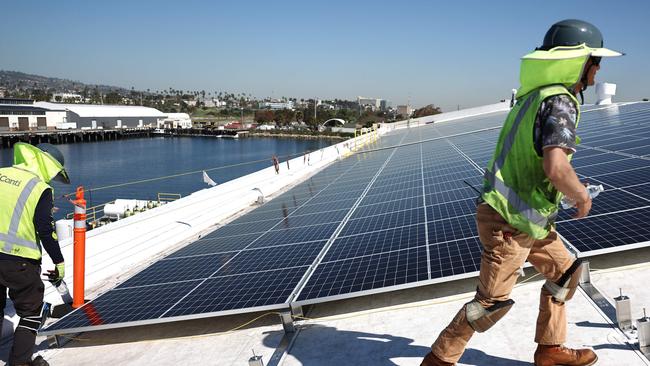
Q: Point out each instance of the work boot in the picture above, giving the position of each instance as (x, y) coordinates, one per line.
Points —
(432, 360)
(38, 361)
(560, 355)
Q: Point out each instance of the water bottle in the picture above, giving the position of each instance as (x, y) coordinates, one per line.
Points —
(62, 288)
(593, 191)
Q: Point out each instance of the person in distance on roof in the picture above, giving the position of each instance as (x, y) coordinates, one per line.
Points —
(527, 177)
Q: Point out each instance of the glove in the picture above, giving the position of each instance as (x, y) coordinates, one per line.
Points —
(56, 276)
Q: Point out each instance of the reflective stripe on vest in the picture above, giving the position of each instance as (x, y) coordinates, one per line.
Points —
(11, 238)
(495, 182)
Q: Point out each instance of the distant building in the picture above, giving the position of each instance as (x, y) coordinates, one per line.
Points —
(369, 103)
(374, 104)
(177, 120)
(405, 110)
(3, 92)
(16, 101)
(67, 97)
(266, 127)
(107, 116)
(234, 125)
(14, 117)
(277, 105)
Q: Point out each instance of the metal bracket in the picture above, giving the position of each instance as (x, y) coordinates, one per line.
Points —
(260, 198)
(58, 340)
(296, 310)
(287, 322)
(585, 276)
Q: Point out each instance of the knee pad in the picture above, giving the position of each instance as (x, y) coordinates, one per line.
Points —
(482, 319)
(566, 286)
(34, 322)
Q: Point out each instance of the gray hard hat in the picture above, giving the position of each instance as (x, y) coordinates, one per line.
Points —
(574, 32)
(53, 151)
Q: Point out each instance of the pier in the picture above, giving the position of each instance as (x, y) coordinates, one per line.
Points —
(204, 132)
(9, 138)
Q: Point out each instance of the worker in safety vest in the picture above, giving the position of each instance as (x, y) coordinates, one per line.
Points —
(527, 177)
(26, 225)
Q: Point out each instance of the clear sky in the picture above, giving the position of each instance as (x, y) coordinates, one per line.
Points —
(447, 53)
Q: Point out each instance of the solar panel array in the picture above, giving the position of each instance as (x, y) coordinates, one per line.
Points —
(399, 216)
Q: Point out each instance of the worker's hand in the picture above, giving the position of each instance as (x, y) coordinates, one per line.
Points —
(583, 207)
(56, 276)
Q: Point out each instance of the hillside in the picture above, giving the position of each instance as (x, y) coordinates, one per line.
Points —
(15, 80)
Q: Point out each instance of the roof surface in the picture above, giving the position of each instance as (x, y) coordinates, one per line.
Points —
(385, 329)
(91, 110)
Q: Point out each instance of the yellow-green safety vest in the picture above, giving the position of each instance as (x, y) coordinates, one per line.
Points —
(515, 183)
(20, 191)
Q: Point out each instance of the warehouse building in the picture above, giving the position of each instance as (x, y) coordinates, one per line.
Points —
(177, 120)
(27, 117)
(90, 116)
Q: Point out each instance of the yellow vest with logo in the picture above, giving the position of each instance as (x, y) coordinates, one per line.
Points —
(20, 191)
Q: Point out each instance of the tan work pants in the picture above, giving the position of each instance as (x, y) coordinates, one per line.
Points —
(504, 251)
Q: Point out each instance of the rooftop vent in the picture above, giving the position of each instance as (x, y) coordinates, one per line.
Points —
(604, 93)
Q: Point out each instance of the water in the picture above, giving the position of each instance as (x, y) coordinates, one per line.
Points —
(100, 164)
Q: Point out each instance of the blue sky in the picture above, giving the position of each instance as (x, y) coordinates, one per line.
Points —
(447, 53)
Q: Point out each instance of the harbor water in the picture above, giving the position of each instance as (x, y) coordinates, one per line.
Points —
(96, 165)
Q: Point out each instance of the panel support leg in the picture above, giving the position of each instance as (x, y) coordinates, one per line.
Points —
(585, 276)
(287, 322)
(296, 310)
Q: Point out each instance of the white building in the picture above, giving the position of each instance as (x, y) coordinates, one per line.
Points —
(372, 103)
(277, 105)
(177, 120)
(405, 110)
(266, 127)
(29, 118)
(106, 116)
(67, 97)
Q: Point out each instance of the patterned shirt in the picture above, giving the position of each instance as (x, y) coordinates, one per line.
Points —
(555, 124)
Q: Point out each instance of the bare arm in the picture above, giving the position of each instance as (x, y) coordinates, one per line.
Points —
(561, 174)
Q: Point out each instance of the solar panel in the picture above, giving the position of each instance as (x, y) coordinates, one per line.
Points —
(331, 280)
(607, 231)
(641, 190)
(379, 221)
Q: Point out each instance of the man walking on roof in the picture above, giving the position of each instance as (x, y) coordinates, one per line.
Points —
(527, 177)
(26, 225)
